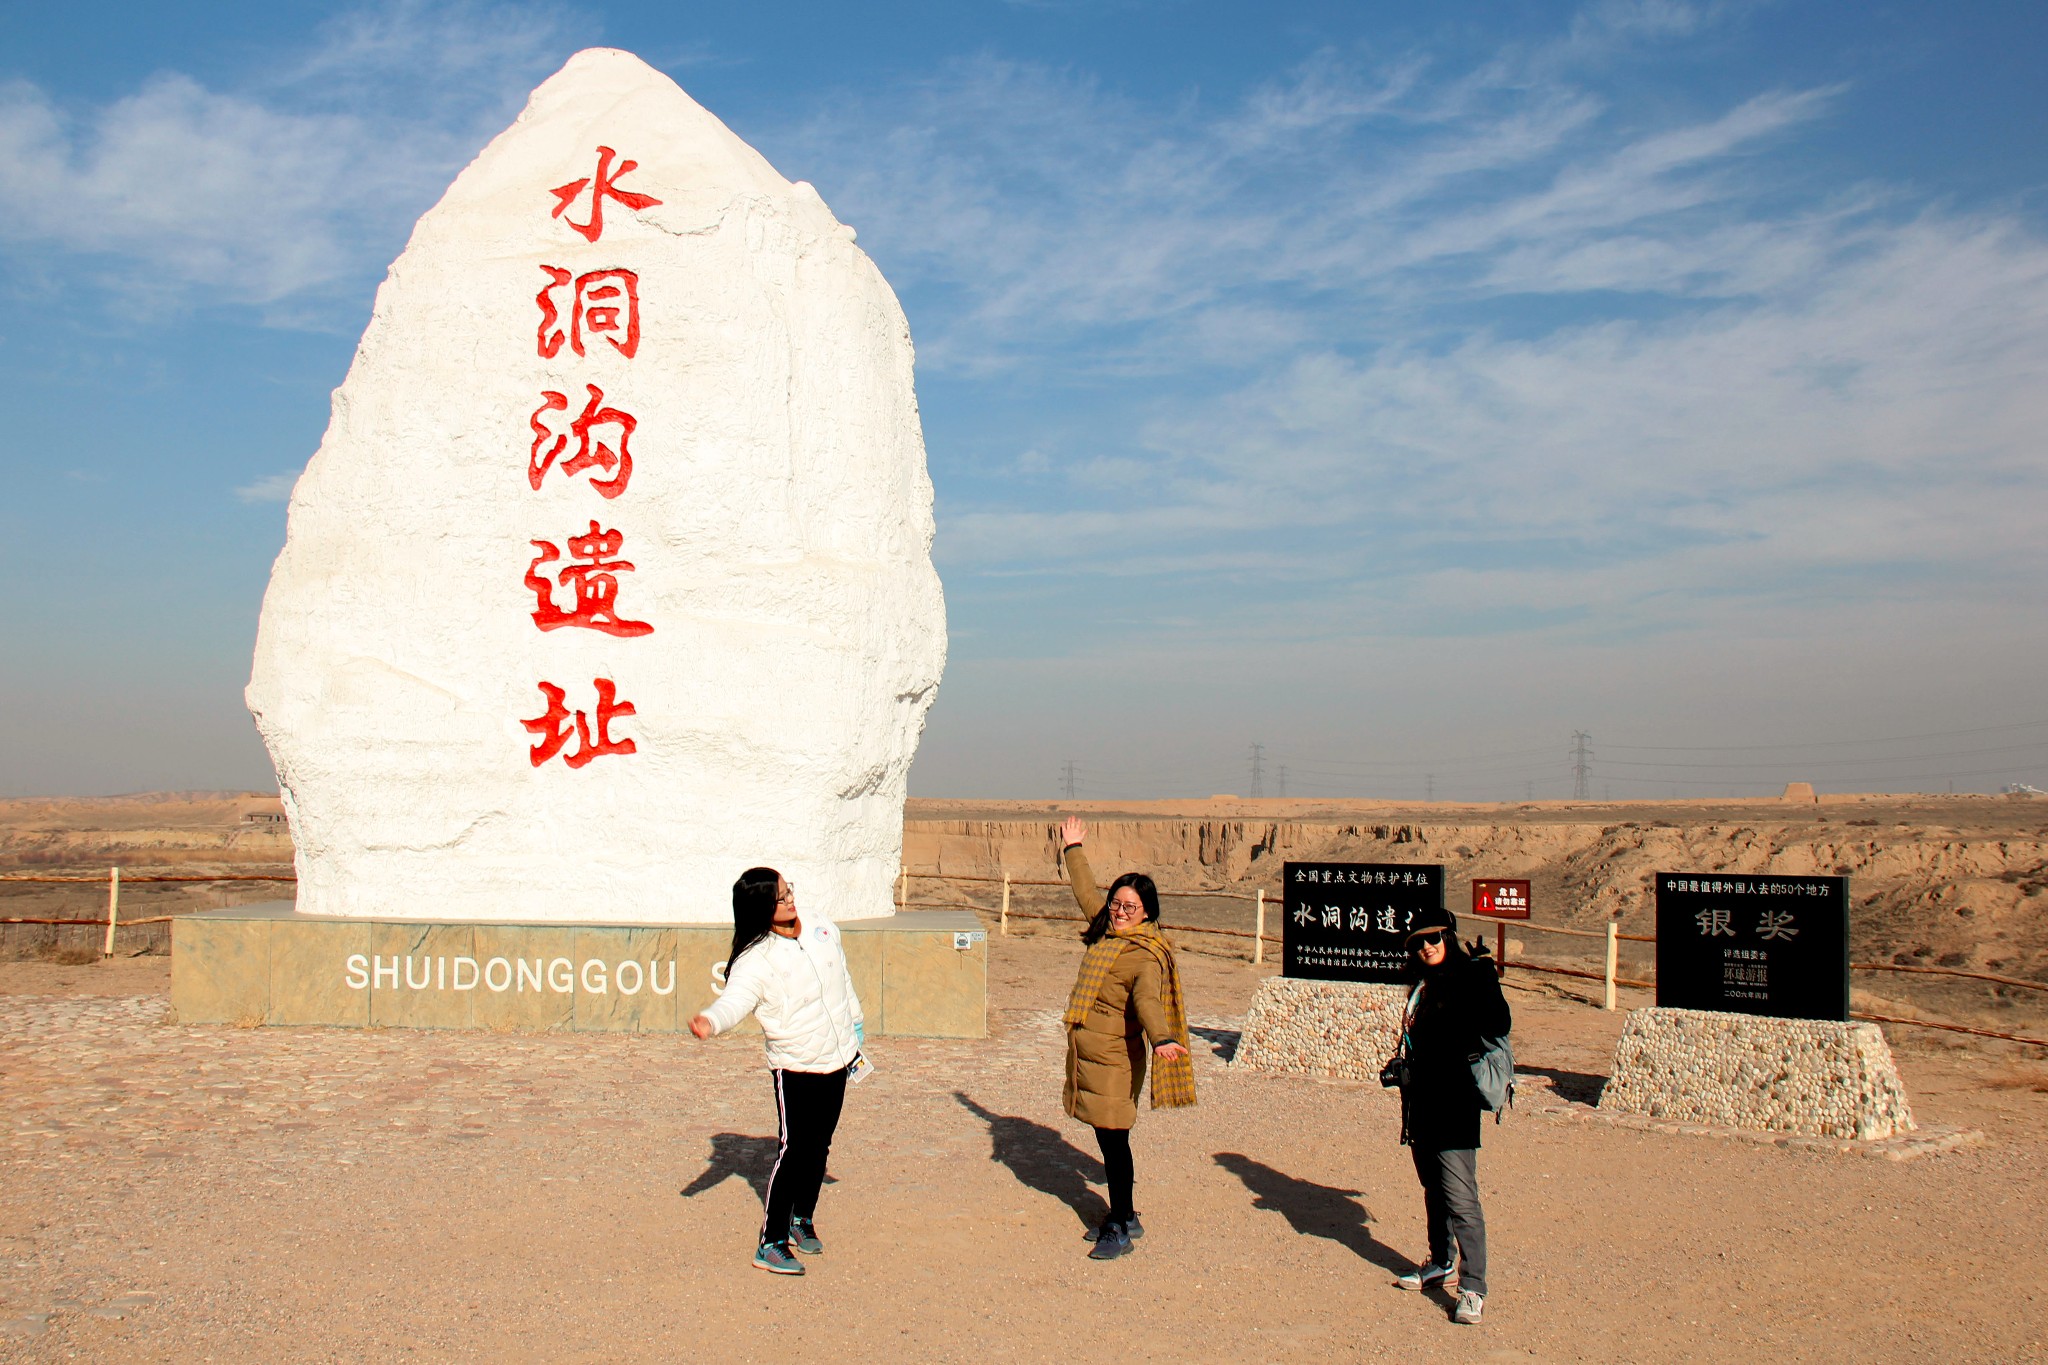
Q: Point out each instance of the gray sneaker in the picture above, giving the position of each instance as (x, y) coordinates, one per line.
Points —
(803, 1236)
(1133, 1229)
(1470, 1306)
(1425, 1277)
(1111, 1241)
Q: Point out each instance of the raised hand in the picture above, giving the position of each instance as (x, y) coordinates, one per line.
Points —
(1072, 831)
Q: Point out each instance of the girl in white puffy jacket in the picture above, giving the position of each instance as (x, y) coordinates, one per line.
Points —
(793, 979)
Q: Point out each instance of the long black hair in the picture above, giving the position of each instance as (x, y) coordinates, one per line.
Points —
(753, 910)
(1147, 893)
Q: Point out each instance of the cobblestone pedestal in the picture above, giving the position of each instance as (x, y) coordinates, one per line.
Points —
(1812, 1077)
(1321, 1028)
(919, 973)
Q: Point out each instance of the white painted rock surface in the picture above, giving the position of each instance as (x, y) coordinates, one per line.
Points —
(780, 632)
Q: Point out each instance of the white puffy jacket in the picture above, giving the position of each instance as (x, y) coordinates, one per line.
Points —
(800, 991)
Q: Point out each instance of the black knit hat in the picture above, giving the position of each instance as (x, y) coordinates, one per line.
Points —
(1432, 921)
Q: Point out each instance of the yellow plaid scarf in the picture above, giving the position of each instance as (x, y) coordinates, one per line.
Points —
(1173, 1082)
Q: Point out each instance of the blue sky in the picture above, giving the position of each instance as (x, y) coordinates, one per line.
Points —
(1398, 387)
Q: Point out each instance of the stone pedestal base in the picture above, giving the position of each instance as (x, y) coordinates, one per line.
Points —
(919, 974)
(1321, 1028)
(1806, 1076)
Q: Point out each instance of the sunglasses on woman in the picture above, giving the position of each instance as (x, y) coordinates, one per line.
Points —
(1429, 940)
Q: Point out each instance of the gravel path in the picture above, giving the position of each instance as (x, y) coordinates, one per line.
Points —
(186, 1194)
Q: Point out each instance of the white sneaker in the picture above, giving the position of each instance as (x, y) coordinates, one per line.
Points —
(1470, 1306)
(1424, 1277)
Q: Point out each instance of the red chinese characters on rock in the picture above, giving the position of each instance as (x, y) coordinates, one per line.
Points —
(554, 726)
(576, 311)
(589, 430)
(598, 303)
(592, 576)
(603, 186)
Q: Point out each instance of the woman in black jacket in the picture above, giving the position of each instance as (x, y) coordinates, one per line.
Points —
(1456, 1003)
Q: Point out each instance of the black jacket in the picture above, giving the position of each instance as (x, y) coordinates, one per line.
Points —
(1460, 1004)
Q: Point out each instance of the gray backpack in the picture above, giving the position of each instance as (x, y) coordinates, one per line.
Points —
(1493, 1071)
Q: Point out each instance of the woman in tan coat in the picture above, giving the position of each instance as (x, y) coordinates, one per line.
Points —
(1127, 993)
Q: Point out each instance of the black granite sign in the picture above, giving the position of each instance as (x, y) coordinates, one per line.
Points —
(1753, 944)
(1349, 921)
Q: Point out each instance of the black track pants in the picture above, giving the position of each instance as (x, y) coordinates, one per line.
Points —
(1116, 1161)
(807, 1105)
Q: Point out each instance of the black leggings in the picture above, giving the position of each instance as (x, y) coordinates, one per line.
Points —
(807, 1105)
(1116, 1161)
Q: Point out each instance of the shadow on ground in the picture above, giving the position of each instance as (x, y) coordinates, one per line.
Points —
(1222, 1041)
(741, 1156)
(1043, 1160)
(1574, 1087)
(1314, 1210)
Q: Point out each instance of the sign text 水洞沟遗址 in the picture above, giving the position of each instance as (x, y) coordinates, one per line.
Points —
(582, 311)
(1753, 944)
(1350, 921)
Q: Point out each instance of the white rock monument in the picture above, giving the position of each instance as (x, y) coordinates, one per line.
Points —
(612, 575)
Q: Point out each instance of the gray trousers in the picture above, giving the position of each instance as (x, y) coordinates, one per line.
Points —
(1450, 1197)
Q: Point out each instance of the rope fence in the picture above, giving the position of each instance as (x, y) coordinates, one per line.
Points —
(153, 919)
(113, 919)
(1609, 977)
(132, 880)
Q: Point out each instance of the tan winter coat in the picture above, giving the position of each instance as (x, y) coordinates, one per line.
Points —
(1106, 1053)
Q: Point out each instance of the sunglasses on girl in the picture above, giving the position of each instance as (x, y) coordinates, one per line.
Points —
(1429, 940)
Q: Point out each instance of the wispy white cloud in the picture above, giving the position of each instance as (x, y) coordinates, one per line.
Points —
(297, 183)
(1477, 338)
(1060, 216)
(269, 488)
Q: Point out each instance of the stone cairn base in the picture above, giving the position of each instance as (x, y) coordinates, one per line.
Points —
(1321, 1028)
(1807, 1076)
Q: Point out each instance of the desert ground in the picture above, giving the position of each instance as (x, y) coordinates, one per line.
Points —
(229, 1194)
(192, 1193)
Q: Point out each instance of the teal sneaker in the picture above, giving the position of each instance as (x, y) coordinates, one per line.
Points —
(803, 1236)
(774, 1258)
(1425, 1277)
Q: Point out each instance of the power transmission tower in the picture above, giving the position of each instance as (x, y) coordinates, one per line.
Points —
(1582, 765)
(1283, 782)
(1258, 770)
(1429, 787)
(1528, 791)
(1067, 779)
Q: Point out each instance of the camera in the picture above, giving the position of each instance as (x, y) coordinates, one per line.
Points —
(1394, 1074)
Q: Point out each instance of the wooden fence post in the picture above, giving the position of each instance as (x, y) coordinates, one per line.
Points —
(113, 909)
(1006, 905)
(1500, 951)
(1613, 949)
(1259, 931)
